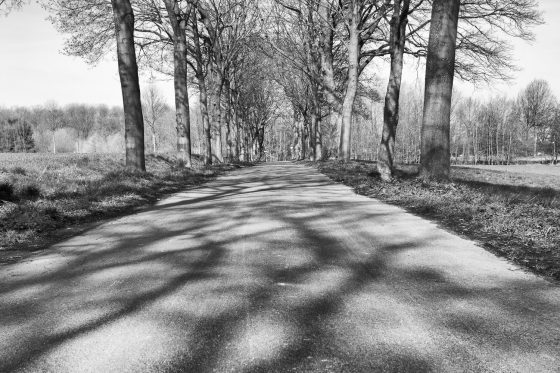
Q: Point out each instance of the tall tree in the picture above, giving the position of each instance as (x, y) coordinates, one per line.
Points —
(353, 20)
(440, 71)
(386, 156)
(153, 108)
(128, 73)
(538, 107)
(200, 65)
(178, 19)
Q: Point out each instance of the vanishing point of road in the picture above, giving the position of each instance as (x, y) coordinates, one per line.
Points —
(274, 268)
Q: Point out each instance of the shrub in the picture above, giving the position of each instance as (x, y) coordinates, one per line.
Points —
(28, 191)
(6, 191)
(83, 162)
(19, 171)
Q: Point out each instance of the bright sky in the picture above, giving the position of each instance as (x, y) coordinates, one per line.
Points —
(537, 60)
(33, 71)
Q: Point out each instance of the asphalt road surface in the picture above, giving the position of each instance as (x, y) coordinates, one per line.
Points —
(274, 269)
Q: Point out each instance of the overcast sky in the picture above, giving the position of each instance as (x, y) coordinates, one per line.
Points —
(33, 71)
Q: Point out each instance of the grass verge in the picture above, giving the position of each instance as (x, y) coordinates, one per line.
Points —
(42, 193)
(519, 223)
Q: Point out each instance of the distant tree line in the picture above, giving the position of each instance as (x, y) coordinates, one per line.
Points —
(56, 129)
(16, 135)
(495, 130)
(80, 128)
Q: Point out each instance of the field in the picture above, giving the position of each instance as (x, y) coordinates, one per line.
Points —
(513, 214)
(42, 193)
(533, 175)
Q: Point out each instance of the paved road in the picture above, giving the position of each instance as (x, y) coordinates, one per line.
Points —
(274, 269)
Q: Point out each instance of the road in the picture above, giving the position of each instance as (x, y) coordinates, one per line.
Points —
(274, 269)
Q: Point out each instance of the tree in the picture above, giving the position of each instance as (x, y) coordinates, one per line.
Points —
(179, 19)
(538, 107)
(362, 19)
(53, 119)
(440, 71)
(128, 72)
(386, 155)
(200, 66)
(153, 108)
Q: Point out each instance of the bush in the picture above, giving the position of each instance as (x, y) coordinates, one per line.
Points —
(19, 171)
(28, 191)
(6, 191)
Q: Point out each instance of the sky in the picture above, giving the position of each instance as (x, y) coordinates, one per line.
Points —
(33, 70)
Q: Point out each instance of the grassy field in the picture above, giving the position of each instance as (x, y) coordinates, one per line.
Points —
(515, 215)
(41, 193)
(534, 175)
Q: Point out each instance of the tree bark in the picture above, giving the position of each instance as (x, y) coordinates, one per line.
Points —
(182, 110)
(386, 156)
(303, 125)
(123, 17)
(440, 69)
(203, 94)
(229, 140)
(318, 135)
(352, 85)
(217, 116)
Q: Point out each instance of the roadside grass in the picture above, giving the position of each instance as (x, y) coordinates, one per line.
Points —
(42, 193)
(518, 222)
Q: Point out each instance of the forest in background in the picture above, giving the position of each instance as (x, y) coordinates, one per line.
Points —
(497, 130)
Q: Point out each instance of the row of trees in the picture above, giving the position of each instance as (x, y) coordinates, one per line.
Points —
(326, 48)
(500, 129)
(43, 123)
(305, 63)
(89, 128)
(495, 130)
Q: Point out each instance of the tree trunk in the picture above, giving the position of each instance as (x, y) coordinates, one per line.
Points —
(229, 140)
(318, 136)
(440, 68)
(203, 94)
(182, 110)
(313, 133)
(535, 144)
(326, 17)
(217, 109)
(386, 156)
(352, 85)
(128, 72)
(303, 138)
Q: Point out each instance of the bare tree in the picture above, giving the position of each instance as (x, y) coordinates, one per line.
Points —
(440, 71)
(386, 156)
(153, 108)
(53, 117)
(200, 67)
(538, 107)
(178, 18)
(128, 72)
